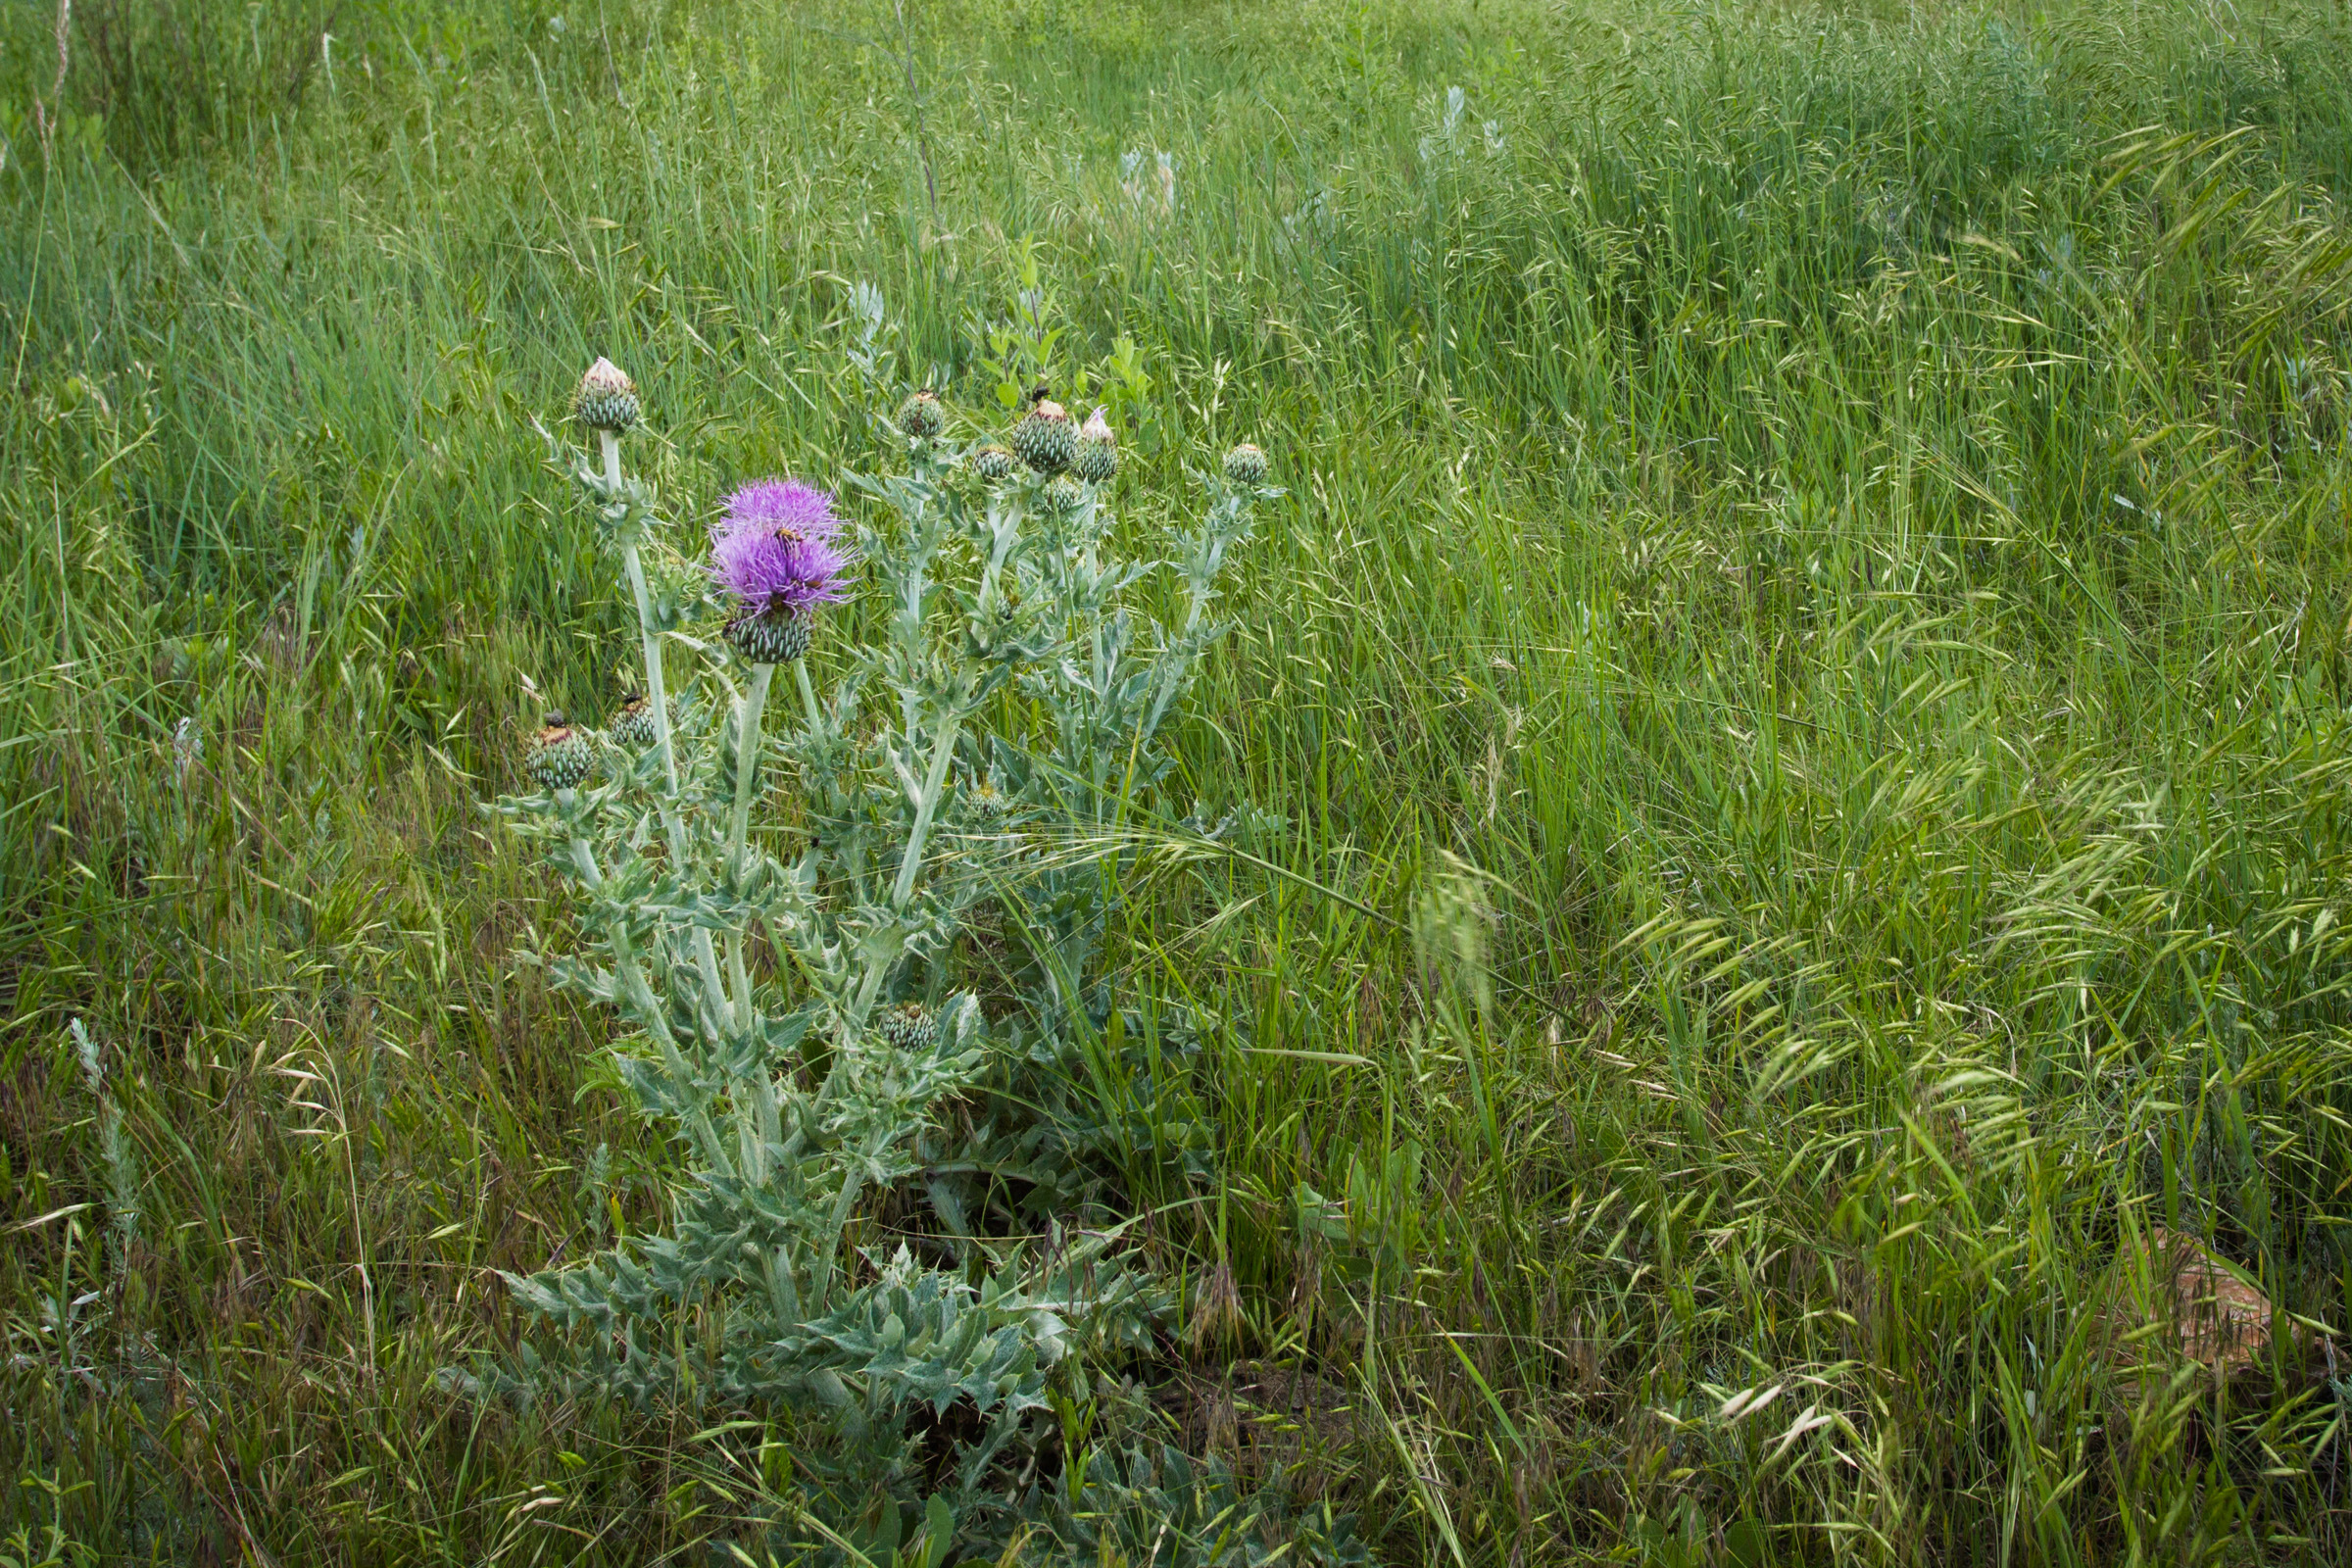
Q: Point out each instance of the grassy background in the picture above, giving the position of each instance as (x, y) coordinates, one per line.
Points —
(1813, 610)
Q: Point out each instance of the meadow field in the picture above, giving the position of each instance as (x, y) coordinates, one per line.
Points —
(1772, 980)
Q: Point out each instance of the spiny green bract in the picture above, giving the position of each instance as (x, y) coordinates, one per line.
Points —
(632, 726)
(1098, 457)
(909, 1026)
(606, 399)
(768, 638)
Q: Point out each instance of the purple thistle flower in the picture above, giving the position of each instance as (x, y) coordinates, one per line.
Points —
(774, 549)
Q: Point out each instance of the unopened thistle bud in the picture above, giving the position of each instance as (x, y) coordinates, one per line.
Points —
(633, 722)
(1246, 464)
(560, 758)
(992, 463)
(1044, 439)
(985, 802)
(1064, 494)
(921, 417)
(909, 1026)
(606, 399)
(1098, 457)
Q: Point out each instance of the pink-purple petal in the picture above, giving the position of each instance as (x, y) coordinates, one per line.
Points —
(774, 548)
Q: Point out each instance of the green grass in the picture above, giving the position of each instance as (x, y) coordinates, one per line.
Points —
(1805, 665)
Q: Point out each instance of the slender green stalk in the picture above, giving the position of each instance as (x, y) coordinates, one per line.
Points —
(656, 690)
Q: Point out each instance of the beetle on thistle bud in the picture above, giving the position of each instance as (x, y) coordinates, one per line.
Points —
(921, 417)
(632, 723)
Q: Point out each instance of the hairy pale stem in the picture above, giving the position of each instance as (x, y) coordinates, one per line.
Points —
(1007, 534)
(943, 752)
(706, 956)
(747, 771)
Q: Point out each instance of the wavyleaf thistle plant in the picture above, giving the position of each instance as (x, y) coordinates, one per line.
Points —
(794, 1002)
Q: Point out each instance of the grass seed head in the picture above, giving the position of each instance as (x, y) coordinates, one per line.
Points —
(1216, 1308)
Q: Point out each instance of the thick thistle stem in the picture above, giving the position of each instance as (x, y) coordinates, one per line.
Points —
(657, 694)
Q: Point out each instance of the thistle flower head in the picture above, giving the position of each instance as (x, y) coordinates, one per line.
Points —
(1246, 464)
(992, 461)
(775, 549)
(606, 399)
(1098, 457)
